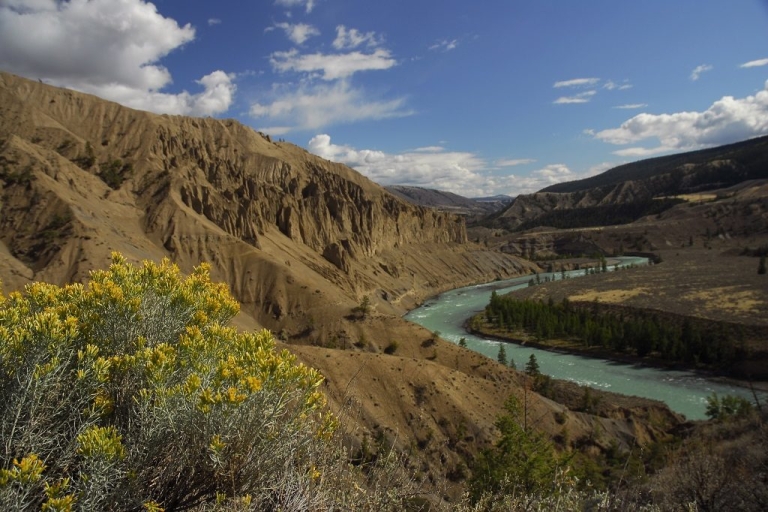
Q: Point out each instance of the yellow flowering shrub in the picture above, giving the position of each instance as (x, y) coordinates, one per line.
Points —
(131, 392)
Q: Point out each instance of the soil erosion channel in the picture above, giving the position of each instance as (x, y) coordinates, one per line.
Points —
(684, 392)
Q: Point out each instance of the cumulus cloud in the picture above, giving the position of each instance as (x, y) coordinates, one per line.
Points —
(698, 70)
(308, 4)
(538, 179)
(332, 66)
(553, 174)
(309, 106)
(755, 63)
(298, 32)
(582, 97)
(727, 120)
(352, 38)
(577, 82)
(111, 48)
(445, 45)
(463, 173)
(453, 171)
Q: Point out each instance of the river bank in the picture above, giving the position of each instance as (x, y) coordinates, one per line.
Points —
(683, 391)
(599, 353)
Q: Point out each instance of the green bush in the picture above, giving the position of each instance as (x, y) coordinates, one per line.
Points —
(521, 462)
(131, 392)
(391, 348)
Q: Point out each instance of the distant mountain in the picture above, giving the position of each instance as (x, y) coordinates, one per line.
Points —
(501, 198)
(695, 171)
(448, 201)
(632, 191)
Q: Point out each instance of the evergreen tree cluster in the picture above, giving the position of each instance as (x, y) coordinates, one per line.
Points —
(643, 333)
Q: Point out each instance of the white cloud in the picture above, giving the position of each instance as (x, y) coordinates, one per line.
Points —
(308, 4)
(611, 85)
(352, 38)
(214, 21)
(536, 180)
(698, 70)
(309, 107)
(217, 96)
(553, 174)
(755, 63)
(513, 162)
(453, 171)
(445, 45)
(577, 82)
(727, 120)
(463, 173)
(630, 106)
(640, 152)
(110, 48)
(582, 97)
(332, 66)
(298, 32)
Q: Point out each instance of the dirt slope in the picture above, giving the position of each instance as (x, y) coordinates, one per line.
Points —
(298, 239)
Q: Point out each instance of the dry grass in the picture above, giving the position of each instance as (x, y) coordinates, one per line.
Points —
(714, 285)
(610, 296)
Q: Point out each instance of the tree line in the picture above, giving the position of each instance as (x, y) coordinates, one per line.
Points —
(642, 333)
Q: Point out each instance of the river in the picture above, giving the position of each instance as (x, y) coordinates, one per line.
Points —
(684, 392)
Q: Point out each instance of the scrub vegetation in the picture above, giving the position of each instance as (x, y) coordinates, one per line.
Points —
(132, 393)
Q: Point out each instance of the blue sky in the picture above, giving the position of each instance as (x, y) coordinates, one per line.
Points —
(478, 98)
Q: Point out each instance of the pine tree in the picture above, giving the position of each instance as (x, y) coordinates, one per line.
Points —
(463, 342)
(521, 459)
(502, 357)
(532, 366)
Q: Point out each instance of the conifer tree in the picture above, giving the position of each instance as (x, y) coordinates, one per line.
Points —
(502, 357)
(532, 366)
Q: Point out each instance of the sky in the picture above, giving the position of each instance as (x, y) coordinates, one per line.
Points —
(476, 98)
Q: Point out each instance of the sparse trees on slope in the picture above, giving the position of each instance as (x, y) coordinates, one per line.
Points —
(520, 462)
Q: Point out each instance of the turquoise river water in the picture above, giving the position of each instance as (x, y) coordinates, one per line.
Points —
(684, 392)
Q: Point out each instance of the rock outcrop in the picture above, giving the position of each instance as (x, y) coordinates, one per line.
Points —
(82, 177)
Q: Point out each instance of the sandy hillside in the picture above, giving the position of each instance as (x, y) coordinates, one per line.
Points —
(299, 241)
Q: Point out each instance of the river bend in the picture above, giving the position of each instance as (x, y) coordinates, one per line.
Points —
(684, 392)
